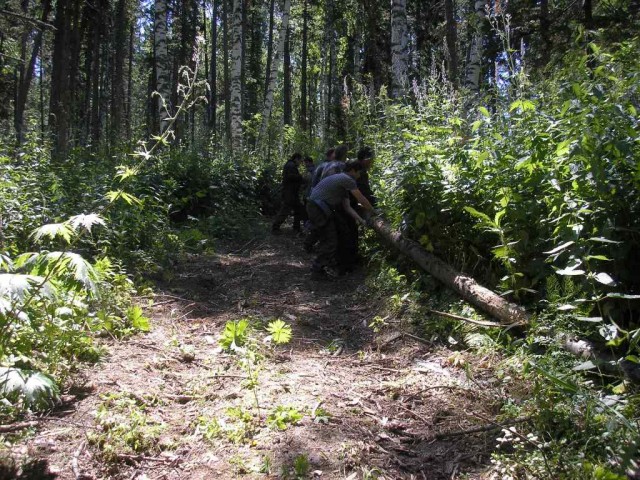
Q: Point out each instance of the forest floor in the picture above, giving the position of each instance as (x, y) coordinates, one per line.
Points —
(373, 405)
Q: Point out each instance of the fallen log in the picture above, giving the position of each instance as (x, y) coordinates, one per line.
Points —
(483, 298)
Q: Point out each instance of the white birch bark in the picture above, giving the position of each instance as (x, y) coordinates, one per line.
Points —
(275, 65)
(163, 78)
(399, 47)
(236, 77)
(474, 63)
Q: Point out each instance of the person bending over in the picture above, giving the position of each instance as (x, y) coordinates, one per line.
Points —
(327, 197)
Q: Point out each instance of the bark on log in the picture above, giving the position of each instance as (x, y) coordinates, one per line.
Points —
(466, 287)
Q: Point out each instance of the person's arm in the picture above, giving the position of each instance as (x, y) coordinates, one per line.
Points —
(346, 204)
(362, 200)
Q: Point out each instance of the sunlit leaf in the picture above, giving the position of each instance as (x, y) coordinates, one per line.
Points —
(52, 231)
(605, 279)
(86, 221)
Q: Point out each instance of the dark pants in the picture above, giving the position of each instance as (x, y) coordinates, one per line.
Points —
(323, 227)
(290, 204)
(347, 253)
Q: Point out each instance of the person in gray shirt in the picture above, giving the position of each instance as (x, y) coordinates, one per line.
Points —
(326, 197)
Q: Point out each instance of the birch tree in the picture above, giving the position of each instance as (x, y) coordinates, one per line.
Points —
(163, 75)
(399, 47)
(236, 76)
(474, 63)
(275, 65)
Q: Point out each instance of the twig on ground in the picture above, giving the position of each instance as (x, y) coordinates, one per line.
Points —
(384, 368)
(414, 414)
(145, 458)
(17, 426)
(482, 323)
(418, 339)
(243, 247)
(75, 468)
(493, 425)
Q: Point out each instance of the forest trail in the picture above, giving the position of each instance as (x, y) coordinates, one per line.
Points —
(372, 404)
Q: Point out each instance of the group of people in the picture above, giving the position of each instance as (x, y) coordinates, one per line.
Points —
(336, 197)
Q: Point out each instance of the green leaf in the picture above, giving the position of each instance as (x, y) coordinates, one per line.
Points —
(484, 112)
(588, 365)
(52, 231)
(34, 389)
(605, 279)
(280, 332)
(15, 286)
(603, 240)
(623, 296)
(86, 221)
(559, 248)
(137, 319)
(479, 215)
(234, 334)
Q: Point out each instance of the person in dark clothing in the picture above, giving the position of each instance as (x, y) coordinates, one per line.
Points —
(311, 239)
(326, 198)
(365, 157)
(291, 183)
(347, 255)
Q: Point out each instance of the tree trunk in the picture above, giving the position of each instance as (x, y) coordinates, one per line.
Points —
(303, 68)
(287, 79)
(466, 287)
(163, 74)
(225, 60)
(331, 64)
(275, 65)
(129, 106)
(59, 101)
(118, 89)
(474, 64)
(27, 75)
(399, 48)
(236, 77)
(213, 98)
(452, 39)
(272, 7)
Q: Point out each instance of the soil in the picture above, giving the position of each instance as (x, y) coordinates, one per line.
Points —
(375, 405)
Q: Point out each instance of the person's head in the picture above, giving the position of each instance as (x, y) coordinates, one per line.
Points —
(365, 157)
(308, 162)
(353, 168)
(330, 156)
(341, 153)
(297, 158)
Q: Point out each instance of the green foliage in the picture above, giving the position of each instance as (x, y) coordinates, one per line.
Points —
(125, 427)
(280, 332)
(33, 390)
(237, 426)
(282, 416)
(235, 334)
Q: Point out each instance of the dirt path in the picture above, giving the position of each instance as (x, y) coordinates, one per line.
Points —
(371, 406)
